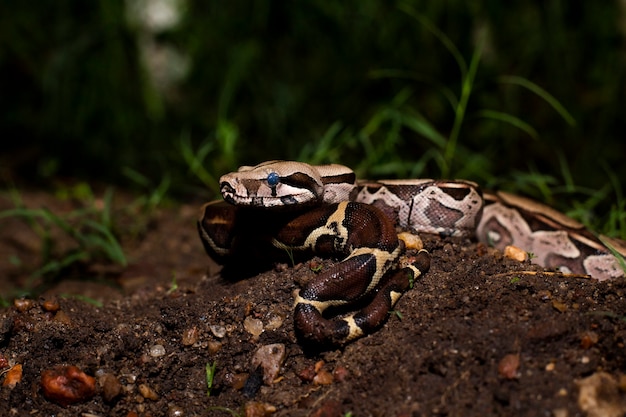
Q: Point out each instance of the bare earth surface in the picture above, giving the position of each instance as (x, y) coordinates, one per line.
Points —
(478, 335)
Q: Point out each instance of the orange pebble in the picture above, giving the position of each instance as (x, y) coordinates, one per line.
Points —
(13, 376)
(67, 385)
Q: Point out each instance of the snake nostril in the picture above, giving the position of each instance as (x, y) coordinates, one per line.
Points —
(226, 188)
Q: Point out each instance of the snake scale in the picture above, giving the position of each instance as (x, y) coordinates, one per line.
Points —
(288, 206)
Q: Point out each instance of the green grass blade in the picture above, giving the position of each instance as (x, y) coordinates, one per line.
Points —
(509, 119)
(618, 256)
(227, 136)
(20, 212)
(136, 176)
(159, 193)
(547, 97)
(442, 37)
(444, 90)
(459, 116)
(323, 150)
(105, 215)
(420, 125)
(82, 298)
(105, 240)
(195, 159)
(56, 266)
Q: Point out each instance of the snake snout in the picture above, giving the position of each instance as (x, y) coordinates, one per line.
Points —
(227, 190)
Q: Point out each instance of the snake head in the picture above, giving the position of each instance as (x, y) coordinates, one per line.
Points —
(273, 184)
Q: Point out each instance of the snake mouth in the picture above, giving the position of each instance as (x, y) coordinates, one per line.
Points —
(225, 187)
(291, 202)
(229, 193)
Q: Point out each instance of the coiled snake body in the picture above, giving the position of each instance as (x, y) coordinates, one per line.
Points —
(292, 206)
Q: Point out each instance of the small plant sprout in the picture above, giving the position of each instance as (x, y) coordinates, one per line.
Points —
(411, 280)
(290, 255)
(210, 374)
(173, 285)
(396, 313)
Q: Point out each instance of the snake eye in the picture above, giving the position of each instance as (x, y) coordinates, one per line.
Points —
(273, 179)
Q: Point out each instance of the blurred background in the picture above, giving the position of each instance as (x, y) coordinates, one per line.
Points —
(526, 96)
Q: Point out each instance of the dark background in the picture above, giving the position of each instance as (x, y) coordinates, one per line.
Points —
(355, 82)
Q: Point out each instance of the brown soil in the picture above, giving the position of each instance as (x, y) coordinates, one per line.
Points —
(478, 335)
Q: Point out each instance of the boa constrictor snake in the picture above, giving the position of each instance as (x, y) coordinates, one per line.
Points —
(292, 206)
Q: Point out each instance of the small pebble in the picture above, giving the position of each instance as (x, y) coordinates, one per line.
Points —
(130, 379)
(509, 366)
(411, 241)
(50, 305)
(214, 346)
(270, 358)
(147, 392)
(190, 336)
(253, 326)
(550, 367)
(218, 331)
(256, 409)
(23, 304)
(559, 306)
(513, 252)
(599, 395)
(274, 322)
(175, 411)
(67, 385)
(13, 376)
(111, 387)
(588, 339)
(323, 377)
(157, 351)
(238, 381)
